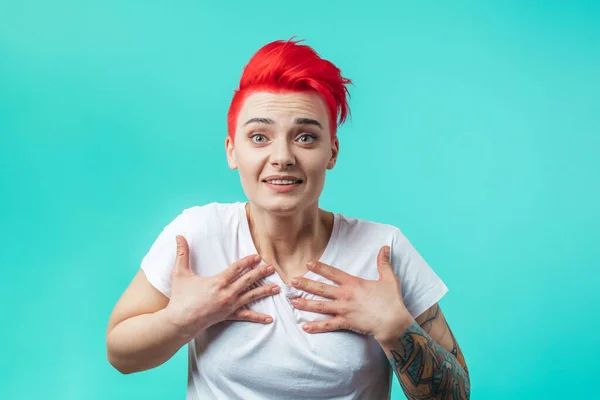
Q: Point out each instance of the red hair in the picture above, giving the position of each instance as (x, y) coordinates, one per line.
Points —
(286, 66)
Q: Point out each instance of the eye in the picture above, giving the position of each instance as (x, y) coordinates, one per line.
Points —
(307, 138)
(258, 138)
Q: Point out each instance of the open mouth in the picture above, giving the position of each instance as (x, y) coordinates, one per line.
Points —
(283, 182)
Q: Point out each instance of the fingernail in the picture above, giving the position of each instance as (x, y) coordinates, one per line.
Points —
(295, 302)
(386, 251)
(306, 328)
(310, 264)
(275, 289)
(295, 281)
(257, 258)
(270, 269)
(268, 320)
(178, 240)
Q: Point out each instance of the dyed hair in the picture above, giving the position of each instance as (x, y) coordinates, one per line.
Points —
(286, 66)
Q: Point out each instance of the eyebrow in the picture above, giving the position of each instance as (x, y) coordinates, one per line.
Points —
(297, 121)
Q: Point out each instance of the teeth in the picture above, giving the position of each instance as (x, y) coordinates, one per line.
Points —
(282, 182)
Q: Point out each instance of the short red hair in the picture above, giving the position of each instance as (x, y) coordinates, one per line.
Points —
(286, 66)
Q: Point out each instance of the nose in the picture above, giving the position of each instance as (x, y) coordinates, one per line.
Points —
(282, 156)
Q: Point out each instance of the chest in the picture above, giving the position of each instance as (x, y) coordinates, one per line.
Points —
(281, 358)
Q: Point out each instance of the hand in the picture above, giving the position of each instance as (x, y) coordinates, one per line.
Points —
(363, 306)
(199, 302)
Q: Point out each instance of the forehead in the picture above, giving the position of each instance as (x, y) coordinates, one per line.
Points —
(283, 106)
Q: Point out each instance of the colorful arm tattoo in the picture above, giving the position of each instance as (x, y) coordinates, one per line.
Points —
(425, 369)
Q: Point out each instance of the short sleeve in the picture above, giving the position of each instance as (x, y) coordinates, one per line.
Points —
(421, 286)
(158, 262)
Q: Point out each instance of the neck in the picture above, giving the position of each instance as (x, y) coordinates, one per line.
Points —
(289, 242)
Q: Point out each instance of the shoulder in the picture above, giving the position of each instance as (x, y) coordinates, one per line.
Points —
(355, 228)
(367, 234)
(208, 220)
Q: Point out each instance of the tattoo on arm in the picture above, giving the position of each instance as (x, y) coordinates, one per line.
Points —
(425, 368)
(444, 337)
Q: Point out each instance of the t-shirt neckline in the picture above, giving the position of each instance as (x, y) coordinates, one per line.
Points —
(325, 258)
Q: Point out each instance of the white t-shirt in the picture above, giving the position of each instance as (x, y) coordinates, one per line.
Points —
(251, 361)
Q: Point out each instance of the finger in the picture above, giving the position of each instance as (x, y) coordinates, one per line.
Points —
(320, 288)
(250, 316)
(232, 272)
(336, 275)
(257, 293)
(319, 306)
(330, 325)
(249, 278)
(182, 256)
(383, 263)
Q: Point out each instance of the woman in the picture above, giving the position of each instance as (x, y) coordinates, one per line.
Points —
(277, 298)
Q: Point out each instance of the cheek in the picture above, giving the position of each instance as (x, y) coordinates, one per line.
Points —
(317, 171)
(318, 164)
(249, 166)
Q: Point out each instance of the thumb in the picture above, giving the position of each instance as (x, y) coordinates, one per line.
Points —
(182, 258)
(383, 262)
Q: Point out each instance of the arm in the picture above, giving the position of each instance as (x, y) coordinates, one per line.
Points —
(141, 334)
(427, 359)
(146, 327)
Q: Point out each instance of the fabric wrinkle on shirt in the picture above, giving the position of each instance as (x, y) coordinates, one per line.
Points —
(252, 361)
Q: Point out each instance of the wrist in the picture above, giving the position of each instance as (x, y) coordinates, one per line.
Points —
(391, 333)
(180, 328)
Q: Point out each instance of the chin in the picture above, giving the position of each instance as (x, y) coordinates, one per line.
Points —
(282, 206)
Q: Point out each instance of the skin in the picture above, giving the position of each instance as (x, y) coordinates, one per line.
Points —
(423, 352)
(146, 327)
(289, 231)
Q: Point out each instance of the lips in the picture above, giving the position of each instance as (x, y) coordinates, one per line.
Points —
(282, 180)
(283, 183)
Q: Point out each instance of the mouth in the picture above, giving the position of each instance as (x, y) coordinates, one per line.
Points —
(282, 180)
(283, 184)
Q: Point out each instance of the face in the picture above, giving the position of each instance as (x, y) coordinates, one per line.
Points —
(282, 150)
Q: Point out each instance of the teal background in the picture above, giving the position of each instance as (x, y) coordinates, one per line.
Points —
(475, 129)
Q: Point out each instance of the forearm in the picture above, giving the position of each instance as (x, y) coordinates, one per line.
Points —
(425, 369)
(144, 342)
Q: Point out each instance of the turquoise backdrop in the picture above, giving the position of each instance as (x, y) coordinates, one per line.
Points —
(475, 129)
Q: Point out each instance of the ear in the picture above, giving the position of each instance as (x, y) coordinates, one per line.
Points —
(335, 148)
(229, 149)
